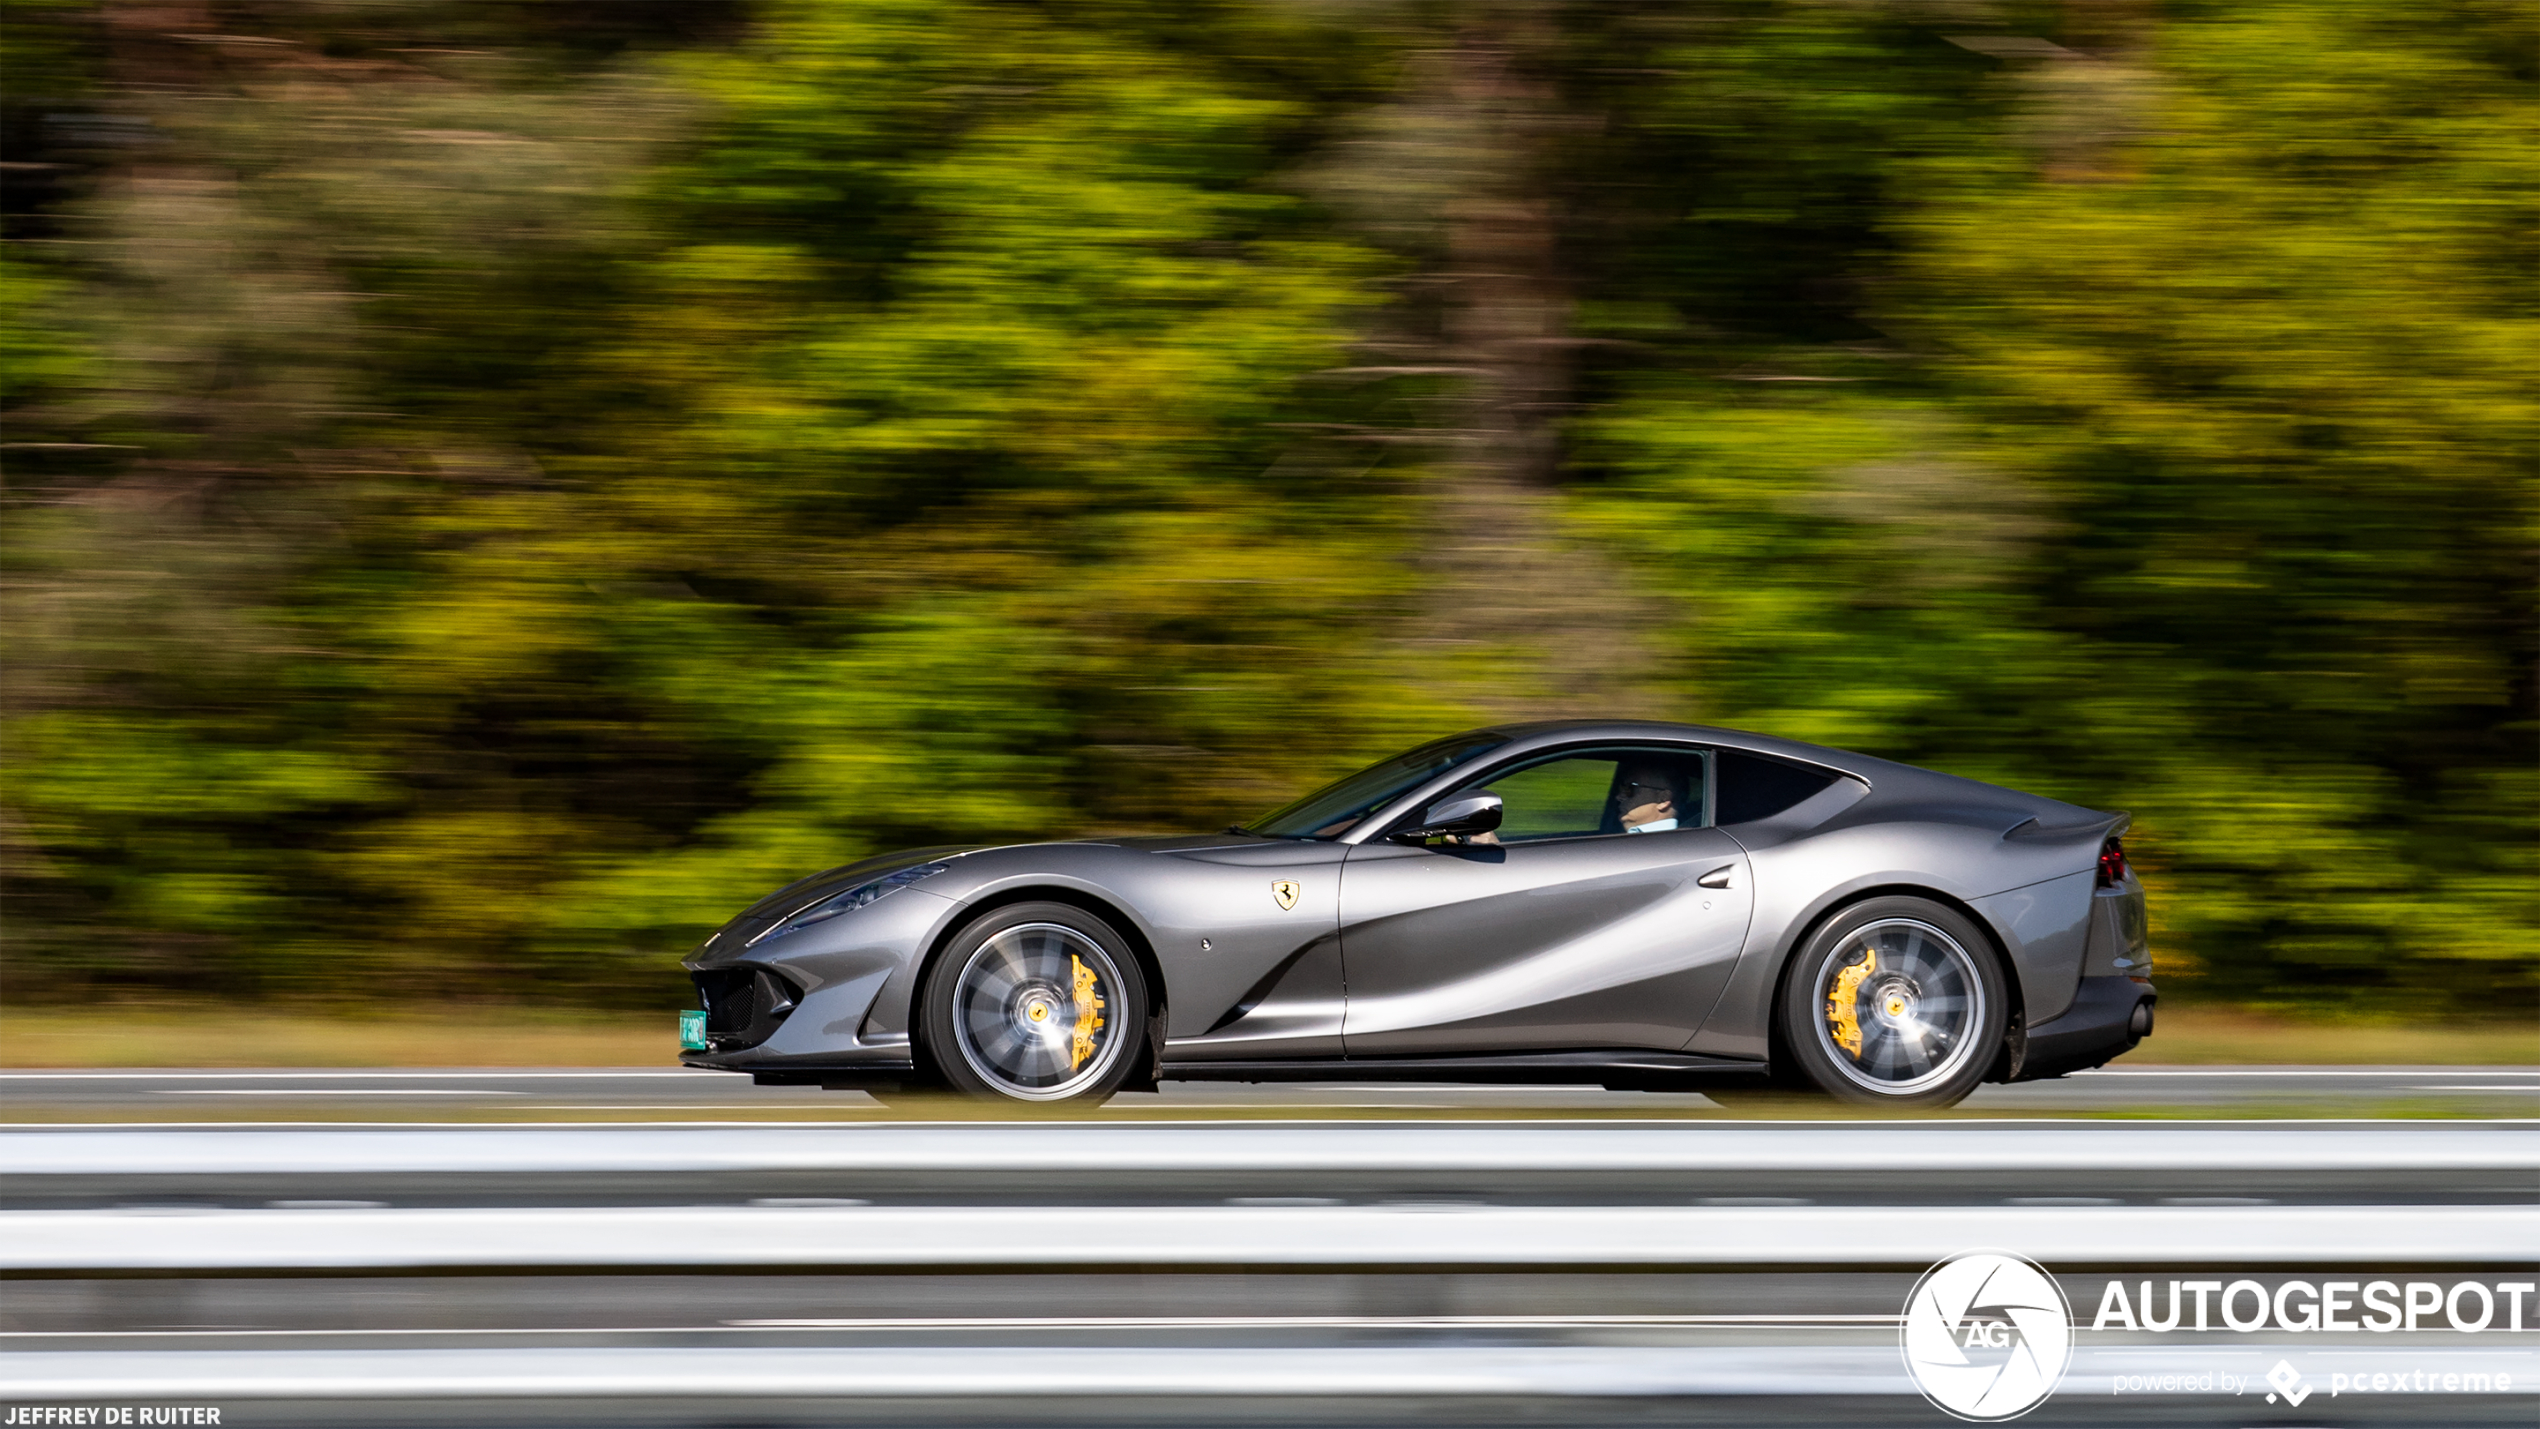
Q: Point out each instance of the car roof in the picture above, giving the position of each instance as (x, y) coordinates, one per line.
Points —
(1887, 778)
(1536, 734)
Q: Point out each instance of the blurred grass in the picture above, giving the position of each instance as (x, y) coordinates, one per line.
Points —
(231, 1035)
(2207, 1037)
(237, 1035)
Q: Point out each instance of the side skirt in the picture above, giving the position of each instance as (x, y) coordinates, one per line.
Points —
(1619, 1068)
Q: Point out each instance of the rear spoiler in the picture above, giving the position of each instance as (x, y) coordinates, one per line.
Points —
(2102, 826)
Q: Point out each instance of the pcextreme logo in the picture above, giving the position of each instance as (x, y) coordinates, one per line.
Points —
(1987, 1336)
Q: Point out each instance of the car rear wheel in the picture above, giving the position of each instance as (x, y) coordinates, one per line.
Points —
(1035, 1002)
(1895, 1002)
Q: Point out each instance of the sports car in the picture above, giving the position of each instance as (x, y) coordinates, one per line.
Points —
(1641, 906)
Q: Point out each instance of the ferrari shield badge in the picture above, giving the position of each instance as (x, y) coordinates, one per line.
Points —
(1285, 890)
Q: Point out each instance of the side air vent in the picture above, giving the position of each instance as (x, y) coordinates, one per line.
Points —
(744, 1005)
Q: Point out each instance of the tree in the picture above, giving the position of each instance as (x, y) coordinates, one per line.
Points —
(492, 487)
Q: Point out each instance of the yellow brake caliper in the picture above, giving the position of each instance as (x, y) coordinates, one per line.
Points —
(1843, 1005)
(1088, 1012)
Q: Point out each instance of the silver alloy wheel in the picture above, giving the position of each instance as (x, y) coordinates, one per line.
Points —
(1034, 1010)
(1898, 1006)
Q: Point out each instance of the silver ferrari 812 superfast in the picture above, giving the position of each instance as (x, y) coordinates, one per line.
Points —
(1656, 907)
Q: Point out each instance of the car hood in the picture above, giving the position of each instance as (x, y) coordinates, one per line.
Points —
(819, 885)
(804, 891)
(1178, 843)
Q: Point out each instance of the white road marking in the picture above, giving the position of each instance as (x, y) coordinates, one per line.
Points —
(866, 1110)
(443, 1074)
(853, 1138)
(336, 1092)
(2290, 1072)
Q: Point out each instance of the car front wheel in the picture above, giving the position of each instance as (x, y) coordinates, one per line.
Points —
(1035, 1002)
(1895, 1002)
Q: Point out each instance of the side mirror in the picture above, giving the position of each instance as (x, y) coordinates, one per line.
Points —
(1463, 815)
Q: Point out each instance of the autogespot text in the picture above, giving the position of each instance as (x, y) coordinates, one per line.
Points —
(2377, 1306)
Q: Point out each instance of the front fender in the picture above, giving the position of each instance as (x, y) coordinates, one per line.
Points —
(893, 1005)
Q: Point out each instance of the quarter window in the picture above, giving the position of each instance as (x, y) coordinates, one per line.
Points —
(1755, 787)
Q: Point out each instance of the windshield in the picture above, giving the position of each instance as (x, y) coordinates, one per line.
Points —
(1330, 812)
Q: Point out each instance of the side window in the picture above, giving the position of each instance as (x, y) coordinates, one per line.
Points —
(1754, 787)
(1560, 800)
(1600, 791)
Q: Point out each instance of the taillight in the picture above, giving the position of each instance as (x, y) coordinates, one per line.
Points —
(2112, 869)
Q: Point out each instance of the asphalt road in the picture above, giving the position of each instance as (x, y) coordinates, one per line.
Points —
(406, 1094)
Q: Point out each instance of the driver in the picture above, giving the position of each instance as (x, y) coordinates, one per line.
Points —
(1647, 798)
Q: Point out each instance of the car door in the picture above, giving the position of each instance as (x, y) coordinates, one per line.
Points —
(1566, 932)
(1246, 931)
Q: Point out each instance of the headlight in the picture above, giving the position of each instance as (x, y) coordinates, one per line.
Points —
(850, 900)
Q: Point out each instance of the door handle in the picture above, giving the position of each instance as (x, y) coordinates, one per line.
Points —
(1718, 877)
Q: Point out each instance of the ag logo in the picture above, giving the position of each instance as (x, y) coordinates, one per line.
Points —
(1285, 890)
(1987, 1336)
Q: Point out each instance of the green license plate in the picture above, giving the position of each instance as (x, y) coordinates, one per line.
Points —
(692, 1031)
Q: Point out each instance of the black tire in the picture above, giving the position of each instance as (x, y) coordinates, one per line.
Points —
(1035, 1003)
(1895, 1002)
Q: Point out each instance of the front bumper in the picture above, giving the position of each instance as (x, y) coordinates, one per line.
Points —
(747, 1005)
(830, 999)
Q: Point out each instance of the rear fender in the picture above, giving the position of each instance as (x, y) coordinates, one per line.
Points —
(2044, 929)
(1742, 1023)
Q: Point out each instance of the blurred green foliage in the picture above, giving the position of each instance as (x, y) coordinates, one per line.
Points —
(491, 488)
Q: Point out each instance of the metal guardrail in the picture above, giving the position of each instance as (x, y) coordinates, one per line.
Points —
(1038, 1373)
(1815, 1356)
(1184, 1236)
(930, 1372)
